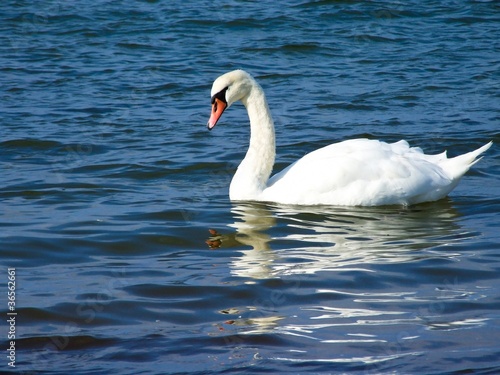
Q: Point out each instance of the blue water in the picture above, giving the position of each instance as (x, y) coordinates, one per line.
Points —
(129, 256)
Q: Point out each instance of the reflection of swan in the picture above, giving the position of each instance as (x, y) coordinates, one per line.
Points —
(357, 172)
(253, 220)
(294, 240)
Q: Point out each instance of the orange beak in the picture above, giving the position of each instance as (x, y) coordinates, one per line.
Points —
(218, 107)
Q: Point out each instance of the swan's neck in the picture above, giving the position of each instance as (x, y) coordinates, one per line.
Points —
(251, 177)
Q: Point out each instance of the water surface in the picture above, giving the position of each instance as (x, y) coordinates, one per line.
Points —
(129, 256)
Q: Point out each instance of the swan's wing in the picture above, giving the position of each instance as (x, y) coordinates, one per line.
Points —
(360, 172)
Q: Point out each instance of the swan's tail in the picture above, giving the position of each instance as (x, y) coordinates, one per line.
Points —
(456, 167)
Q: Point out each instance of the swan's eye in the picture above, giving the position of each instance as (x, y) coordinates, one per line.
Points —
(221, 95)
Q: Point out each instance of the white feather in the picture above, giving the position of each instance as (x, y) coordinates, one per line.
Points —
(357, 172)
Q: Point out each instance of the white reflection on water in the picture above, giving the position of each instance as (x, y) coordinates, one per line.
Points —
(286, 240)
(368, 360)
(348, 321)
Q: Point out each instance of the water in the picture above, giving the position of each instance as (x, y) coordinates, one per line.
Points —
(111, 183)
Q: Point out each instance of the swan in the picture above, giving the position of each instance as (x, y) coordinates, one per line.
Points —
(356, 172)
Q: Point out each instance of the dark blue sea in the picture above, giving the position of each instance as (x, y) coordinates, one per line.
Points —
(128, 256)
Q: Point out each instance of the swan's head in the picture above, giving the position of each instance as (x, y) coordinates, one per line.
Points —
(226, 90)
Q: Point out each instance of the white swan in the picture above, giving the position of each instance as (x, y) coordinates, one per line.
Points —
(357, 172)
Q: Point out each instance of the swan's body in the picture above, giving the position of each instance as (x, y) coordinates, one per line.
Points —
(357, 172)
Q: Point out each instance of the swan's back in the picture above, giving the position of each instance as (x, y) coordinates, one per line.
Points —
(368, 172)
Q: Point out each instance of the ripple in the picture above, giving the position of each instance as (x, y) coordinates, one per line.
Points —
(129, 256)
